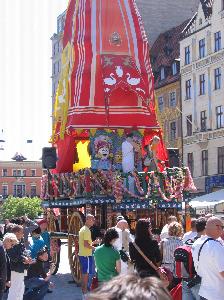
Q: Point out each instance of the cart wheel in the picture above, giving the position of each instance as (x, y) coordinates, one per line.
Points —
(53, 226)
(76, 222)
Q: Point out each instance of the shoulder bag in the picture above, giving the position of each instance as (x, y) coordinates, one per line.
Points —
(164, 274)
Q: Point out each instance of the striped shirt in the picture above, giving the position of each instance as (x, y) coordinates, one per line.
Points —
(169, 245)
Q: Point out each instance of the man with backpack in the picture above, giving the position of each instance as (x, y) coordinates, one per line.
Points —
(208, 256)
(184, 265)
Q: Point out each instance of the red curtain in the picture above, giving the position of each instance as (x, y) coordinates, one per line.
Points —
(66, 152)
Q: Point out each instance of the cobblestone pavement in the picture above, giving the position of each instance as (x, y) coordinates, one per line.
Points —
(65, 288)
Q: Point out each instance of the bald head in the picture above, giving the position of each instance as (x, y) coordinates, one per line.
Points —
(214, 227)
(122, 224)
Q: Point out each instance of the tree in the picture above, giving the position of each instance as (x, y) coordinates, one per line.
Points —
(18, 207)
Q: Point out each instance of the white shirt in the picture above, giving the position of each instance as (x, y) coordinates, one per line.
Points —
(128, 164)
(169, 245)
(164, 233)
(189, 236)
(211, 263)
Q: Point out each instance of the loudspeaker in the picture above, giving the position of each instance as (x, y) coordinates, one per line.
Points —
(49, 158)
(174, 158)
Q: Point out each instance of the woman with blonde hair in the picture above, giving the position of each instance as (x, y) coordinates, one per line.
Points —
(169, 245)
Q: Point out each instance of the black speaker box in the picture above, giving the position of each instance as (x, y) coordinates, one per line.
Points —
(49, 158)
(174, 158)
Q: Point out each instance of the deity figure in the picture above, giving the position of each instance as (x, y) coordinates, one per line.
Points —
(151, 160)
(103, 153)
(129, 147)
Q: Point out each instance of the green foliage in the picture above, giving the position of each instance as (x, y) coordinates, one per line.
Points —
(18, 207)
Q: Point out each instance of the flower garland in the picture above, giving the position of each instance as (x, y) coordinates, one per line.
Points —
(167, 185)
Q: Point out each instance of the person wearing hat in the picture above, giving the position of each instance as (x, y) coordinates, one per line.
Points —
(122, 243)
(119, 218)
(37, 281)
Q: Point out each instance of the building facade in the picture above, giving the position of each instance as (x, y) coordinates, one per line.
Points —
(202, 88)
(165, 58)
(20, 178)
(56, 53)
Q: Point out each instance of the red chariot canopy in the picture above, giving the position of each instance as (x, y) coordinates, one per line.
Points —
(106, 79)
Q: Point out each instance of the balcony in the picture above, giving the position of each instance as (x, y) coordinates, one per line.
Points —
(202, 138)
(200, 63)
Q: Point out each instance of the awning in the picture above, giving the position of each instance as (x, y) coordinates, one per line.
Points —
(207, 200)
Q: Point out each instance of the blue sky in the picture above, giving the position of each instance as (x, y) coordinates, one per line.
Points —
(25, 101)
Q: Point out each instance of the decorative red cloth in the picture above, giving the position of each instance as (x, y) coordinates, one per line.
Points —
(111, 80)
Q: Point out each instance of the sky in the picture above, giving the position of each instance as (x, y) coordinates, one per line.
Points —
(26, 27)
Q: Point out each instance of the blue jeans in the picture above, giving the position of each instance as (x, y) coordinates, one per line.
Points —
(35, 289)
(190, 293)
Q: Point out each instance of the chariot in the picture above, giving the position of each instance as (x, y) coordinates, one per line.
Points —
(111, 156)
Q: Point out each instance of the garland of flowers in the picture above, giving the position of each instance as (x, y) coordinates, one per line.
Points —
(44, 187)
(167, 185)
(94, 176)
(138, 184)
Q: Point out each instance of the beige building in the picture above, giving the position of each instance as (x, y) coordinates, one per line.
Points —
(165, 59)
(202, 84)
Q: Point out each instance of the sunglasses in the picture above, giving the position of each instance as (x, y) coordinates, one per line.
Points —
(221, 226)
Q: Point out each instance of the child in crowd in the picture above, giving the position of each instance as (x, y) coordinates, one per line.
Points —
(37, 242)
(37, 281)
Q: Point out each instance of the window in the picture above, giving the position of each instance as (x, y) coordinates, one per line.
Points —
(188, 89)
(19, 190)
(219, 117)
(202, 84)
(202, 48)
(204, 162)
(217, 72)
(33, 191)
(33, 173)
(161, 104)
(14, 173)
(222, 5)
(162, 73)
(54, 68)
(217, 37)
(19, 173)
(190, 162)
(4, 172)
(54, 49)
(174, 68)
(4, 190)
(24, 173)
(187, 55)
(173, 99)
(203, 120)
(173, 130)
(220, 160)
(189, 125)
(59, 67)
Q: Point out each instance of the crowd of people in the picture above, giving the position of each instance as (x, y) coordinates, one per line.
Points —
(24, 260)
(126, 264)
(117, 263)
